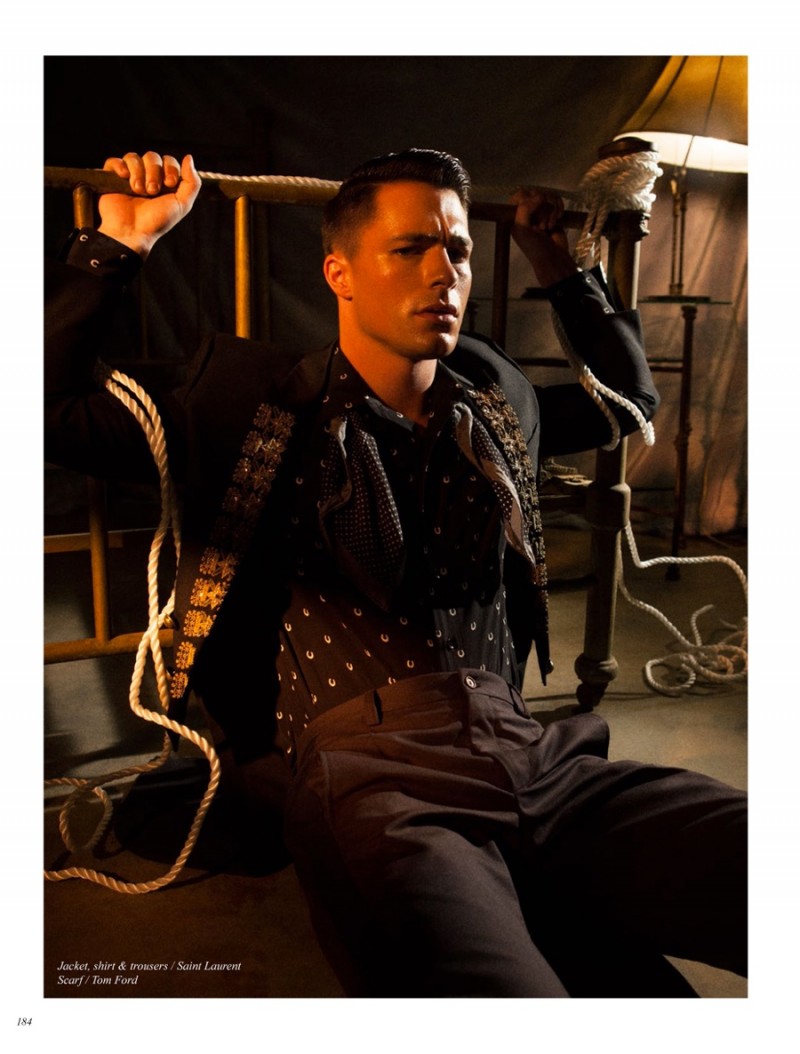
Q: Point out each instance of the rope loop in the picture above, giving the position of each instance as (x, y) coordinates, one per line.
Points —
(696, 663)
(139, 403)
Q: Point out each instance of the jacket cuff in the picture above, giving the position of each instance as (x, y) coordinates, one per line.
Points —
(91, 251)
(586, 291)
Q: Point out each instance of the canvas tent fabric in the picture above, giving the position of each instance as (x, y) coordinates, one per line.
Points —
(512, 120)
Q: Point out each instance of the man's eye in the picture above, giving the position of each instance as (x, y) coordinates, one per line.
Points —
(408, 250)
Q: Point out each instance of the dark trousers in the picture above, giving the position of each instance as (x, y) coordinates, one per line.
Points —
(451, 846)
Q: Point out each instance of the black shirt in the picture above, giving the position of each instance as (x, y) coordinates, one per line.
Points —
(397, 572)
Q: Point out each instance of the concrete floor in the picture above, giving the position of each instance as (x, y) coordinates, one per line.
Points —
(231, 905)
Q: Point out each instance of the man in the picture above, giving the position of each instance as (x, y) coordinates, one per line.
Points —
(362, 579)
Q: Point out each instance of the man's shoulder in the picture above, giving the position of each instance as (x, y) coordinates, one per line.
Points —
(239, 367)
(480, 360)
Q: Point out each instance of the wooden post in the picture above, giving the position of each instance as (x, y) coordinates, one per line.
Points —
(608, 499)
(243, 257)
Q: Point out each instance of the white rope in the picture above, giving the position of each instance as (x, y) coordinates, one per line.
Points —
(698, 662)
(141, 406)
(599, 392)
(601, 395)
(295, 181)
(611, 185)
(478, 192)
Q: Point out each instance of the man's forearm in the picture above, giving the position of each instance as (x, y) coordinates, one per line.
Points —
(84, 427)
(608, 341)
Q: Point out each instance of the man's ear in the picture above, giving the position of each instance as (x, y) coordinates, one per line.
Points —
(337, 274)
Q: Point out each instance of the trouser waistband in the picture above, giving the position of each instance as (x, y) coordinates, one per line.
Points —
(451, 688)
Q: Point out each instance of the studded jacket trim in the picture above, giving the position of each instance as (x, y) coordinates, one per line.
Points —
(251, 482)
(502, 419)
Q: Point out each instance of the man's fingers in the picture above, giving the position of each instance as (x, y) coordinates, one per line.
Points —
(538, 208)
(135, 167)
(151, 174)
(190, 183)
(118, 166)
(145, 174)
(172, 171)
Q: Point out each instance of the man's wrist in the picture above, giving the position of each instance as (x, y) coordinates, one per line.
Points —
(138, 243)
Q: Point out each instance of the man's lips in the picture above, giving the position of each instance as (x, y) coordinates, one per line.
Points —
(444, 312)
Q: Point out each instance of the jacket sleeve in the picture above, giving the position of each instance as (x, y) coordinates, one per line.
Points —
(85, 427)
(610, 343)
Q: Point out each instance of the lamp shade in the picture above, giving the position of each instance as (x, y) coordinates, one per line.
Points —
(696, 113)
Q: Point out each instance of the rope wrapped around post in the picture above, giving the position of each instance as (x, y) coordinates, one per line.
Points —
(622, 179)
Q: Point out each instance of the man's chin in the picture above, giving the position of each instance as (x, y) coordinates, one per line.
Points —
(440, 348)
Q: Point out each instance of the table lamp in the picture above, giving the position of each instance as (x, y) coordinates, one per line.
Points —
(696, 114)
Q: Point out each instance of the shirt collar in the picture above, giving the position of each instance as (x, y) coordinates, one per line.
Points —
(347, 390)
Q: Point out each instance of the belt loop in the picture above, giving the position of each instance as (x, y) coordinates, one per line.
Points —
(373, 710)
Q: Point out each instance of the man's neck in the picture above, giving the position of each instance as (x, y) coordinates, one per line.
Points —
(401, 384)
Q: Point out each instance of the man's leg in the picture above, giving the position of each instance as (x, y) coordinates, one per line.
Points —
(441, 918)
(653, 855)
(391, 824)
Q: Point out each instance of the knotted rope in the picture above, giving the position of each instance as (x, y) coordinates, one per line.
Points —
(613, 184)
(141, 406)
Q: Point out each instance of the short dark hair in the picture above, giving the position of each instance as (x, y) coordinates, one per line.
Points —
(353, 204)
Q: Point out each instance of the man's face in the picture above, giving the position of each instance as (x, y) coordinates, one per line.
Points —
(409, 276)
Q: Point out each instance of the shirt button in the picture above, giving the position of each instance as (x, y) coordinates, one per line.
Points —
(470, 682)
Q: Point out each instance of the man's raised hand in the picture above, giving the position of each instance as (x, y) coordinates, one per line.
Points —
(163, 192)
(538, 232)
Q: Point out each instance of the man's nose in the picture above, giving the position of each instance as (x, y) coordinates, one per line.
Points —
(442, 270)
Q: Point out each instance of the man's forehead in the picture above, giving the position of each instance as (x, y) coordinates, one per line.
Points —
(419, 203)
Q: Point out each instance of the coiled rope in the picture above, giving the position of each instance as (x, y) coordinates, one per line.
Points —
(698, 663)
(141, 406)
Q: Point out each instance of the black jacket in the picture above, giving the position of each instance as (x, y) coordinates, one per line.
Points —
(234, 430)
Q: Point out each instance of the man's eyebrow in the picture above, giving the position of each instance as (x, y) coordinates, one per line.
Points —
(420, 238)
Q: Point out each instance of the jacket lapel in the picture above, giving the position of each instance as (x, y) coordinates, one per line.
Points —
(232, 531)
(501, 418)
(250, 482)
